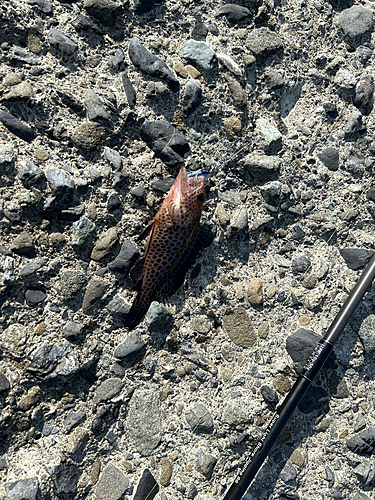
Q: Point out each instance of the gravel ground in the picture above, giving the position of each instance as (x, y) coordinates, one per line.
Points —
(100, 105)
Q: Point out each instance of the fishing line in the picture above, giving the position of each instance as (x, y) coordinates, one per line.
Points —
(220, 395)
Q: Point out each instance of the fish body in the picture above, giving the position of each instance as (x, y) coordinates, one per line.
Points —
(171, 247)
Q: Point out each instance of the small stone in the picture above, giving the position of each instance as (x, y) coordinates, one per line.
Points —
(32, 267)
(199, 418)
(261, 167)
(222, 215)
(131, 348)
(255, 292)
(271, 137)
(147, 487)
(105, 11)
(158, 319)
(31, 175)
(297, 458)
(9, 276)
(289, 473)
(73, 419)
(273, 79)
(22, 90)
(304, 320)
(4, 384)
(144, 421)
(113, 203)
(353, 122)
(234, 414)
(113, 157)
(95, 471)
(82, 231)
(205, 463)
(230, 64)
(271, 191)
(24, 489)
(95, 107)
(345, 79)
(362, 443)
(179, 70)
(366, 334)
(30, 399)
(356, 258)
(263, 43)
(193, 72)
(233, 126)
(41, 154)
(167, 142)
(199, 54)
(93, 293)
(355, 21)
(77, 441)
(72, 329)
(282, 384)
(107, 390)
(125, 259)
(157, 90)
(62, 188)
(62, 42)
(360, 423)
(88, 135)
(301, 264)
(240, 219)
(33, 41)
(34, 297)
(112, 484)
(117, 61)
(105, 244)
(314, 298)
(269, 395)
(192, 96)
(239, 327)
(364, 95)
(362, 470)
(310, 281)
(24, 56)
(23, 244)
(239, 94)
(233, 13)
(131, 95)
(166, 472)
(330, 158)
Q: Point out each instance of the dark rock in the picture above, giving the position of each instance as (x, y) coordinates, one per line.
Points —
(314, 398)
(73, 213)
(330, 107)
(112, 484)
(32, 267)
(113, 202)
(3, 464)
(65, 478)
(158, 319)
(132, 346)
(370, 194)
(23, 244)
(192, 97)
(298, 233)
(163, 185)
(95, 106)
(143, 6)
(82, 232)
(85, 23)
(107, 390)
(366, 334)
(31, 175)
(101, 421)
(93, 293)
(234, 13)
(147, 487)
(330, 477)
(47, 429)
(4, 383)
(200, 31)
(24, 489)
(269, 395)
(355, 22)
(45, 358)
(34, 297)
(118, 307)
(301, 264)
(363, 443)
(117, 61)
(264, 43)
(125, 259)
(356, 258)
(88, 135)
(152, 65)
(62, 42)
(364, 96)
(365, 53)
(62, 187)
(43, 5)
(130, 92)
(167, 142)
(71, 101)
(72, 329)
(300, 346)
(15, 126)
(156, 90)
(330, 158)
(105, 11)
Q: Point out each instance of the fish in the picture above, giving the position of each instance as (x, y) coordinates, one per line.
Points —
(173, 243)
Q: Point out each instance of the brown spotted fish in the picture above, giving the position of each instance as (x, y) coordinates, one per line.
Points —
(172, 245)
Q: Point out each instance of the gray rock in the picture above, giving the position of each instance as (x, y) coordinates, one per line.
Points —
(65, 478)
(74, 418)
(152, 65)
(289, 473)
(271, 191)
(107, 390)
(353, 122)
(93, 293)
(263, 43)
(23, 244)
(156, 90)
(355, 21)
(118, 307)
(53, 360)
(147, 487)
(130, 92)
(230, 196)
(269, 395)
(345, 79)
(356, 258)
(361, 496)
(362, 443)
(82, 231)
(199, 54)
(72, 329)
(32, 267)
(105, 11)
(104, 245)
(112, 484)
(330, 477)
(167, 142)
(230, 64)
(273, 79)
(271, 137)
(4, 383)
(62, 187)
(364, 95)
(3, 464)
(192, 97)
(62, 42)
(195, 355)
(72, 281)
(24, 56)
(300, 345)
(199, 418)
(132, 346)
(158, 319)
(43, 5)
(72, 213)
(9, 276)
(125, 259)
(95, 106)
(205, 463)
(199, 31)
(24, 489)
(360, 423)
(117, 61)
(144, 421)
(330, 157)
(261, 167)
(7, 155)
(235, 414)
(113, 157)
(240, 220)
(31, 175)
(234, 13)
(301, 264)
(367, 334)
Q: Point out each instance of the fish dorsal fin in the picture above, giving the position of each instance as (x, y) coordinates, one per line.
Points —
(136, 272)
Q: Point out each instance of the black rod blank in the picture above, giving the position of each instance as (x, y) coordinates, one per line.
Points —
(309, 372)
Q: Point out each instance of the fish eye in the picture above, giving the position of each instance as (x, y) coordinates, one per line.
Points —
(200, 198)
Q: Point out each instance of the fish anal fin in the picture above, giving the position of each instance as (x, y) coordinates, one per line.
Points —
(136, 272)
(137, 311)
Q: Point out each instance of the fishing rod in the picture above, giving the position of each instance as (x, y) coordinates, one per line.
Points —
(310, 370)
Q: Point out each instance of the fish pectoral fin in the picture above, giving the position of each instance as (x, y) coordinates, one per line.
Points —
(136, 272)
(146, 231)
(176, 278)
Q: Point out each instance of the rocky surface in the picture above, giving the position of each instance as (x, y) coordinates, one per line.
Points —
(101, 102)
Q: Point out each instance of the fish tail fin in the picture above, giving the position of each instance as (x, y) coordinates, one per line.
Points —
(137, 312)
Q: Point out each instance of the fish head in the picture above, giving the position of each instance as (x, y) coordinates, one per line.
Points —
(185, 199)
